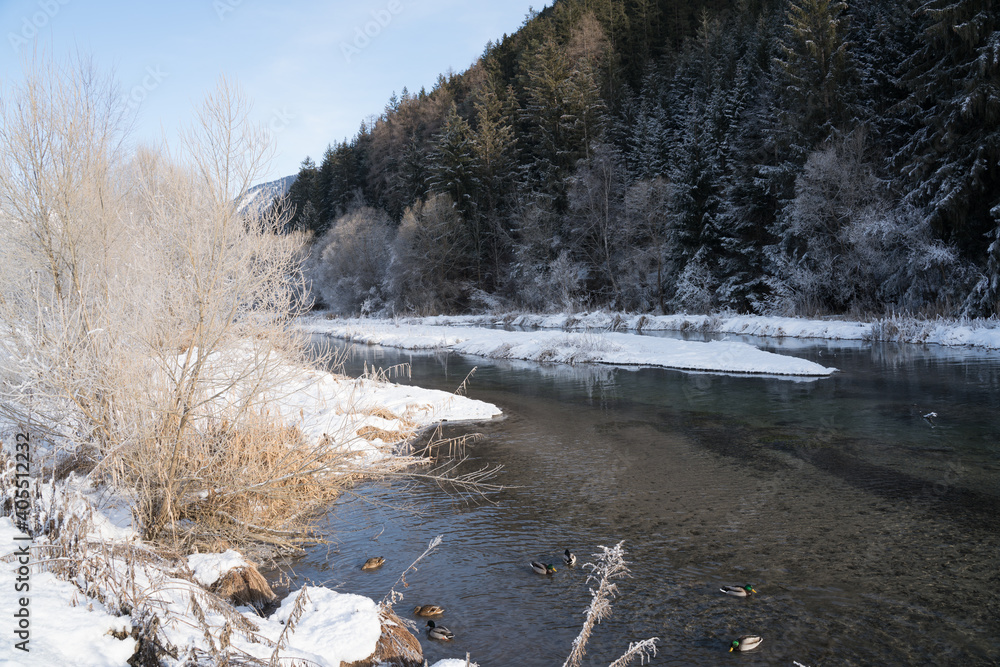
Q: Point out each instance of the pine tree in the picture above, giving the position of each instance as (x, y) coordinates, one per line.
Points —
(584, 111)
(650, 138)
(452, 165)
(322, 190)
(701, 156)
(882, 36)
(753, 186)
(454, 171)
(985, 298)
(346, 178)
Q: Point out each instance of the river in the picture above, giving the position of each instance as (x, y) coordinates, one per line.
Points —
(870, 531)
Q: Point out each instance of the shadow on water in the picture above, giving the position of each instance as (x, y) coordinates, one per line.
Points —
(869, 530)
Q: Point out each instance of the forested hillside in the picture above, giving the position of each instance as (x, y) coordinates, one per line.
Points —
(808, 157)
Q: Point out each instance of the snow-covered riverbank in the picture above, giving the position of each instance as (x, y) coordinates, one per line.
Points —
(85, 595)
(606, 347)
(977, 333)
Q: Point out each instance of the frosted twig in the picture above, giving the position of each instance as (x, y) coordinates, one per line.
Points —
(394, 596)
(610, 565)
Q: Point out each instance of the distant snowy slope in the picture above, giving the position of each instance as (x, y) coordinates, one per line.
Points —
(259, 197)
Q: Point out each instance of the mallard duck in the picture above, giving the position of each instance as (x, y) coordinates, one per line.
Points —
(570, 558)
(428, 610)
(745, 643)
(373, 563)
(542, 568)
(739, 591)
(438, 632)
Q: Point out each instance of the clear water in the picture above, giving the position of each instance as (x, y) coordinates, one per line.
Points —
(871, 533)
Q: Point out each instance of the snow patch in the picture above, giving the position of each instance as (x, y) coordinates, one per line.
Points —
(336, 627)
(66, 627)
(209, 568)
(572, 347)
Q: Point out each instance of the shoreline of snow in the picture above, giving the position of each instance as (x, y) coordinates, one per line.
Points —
(66, 627)
(322, 404)
(950, 333)
(546, 346)
(71, 620)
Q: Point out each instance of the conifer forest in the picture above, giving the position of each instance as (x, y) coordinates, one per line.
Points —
(797, 157)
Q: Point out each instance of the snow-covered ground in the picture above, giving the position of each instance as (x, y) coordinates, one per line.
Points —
(978, 333)
(599, 337)
(606, 347)
(69, 629)
(321, 403)
(67, 626)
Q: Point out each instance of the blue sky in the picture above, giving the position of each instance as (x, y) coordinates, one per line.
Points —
(313, 69)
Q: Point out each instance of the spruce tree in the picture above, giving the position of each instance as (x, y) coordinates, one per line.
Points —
(818, 68)
(548, 161)
(300, 194)
(494, 151)
(953, 158)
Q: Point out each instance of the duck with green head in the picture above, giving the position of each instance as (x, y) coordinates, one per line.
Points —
(542, 568)
(739, 591)
(745, 643)
(439, 632)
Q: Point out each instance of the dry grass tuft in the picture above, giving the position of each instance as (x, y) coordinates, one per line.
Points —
(388, 437)
(387, 374)
(244, 587)
(439, 446)
(235, 485)
(384, 413)
(610, 565)
(298, 609)
(397, 647)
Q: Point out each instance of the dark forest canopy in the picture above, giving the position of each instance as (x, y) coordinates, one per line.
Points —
(802, 157)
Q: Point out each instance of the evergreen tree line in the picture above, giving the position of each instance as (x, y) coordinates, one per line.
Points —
(802, 157)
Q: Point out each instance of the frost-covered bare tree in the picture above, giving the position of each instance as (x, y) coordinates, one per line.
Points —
(836, 185)
(648, 275)
(897, 263)
(544, 274)
(61, 201)
(143, 319)
(603, 232)
(696, 285)
(847, 248)
(348, 269)
(431, 266)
